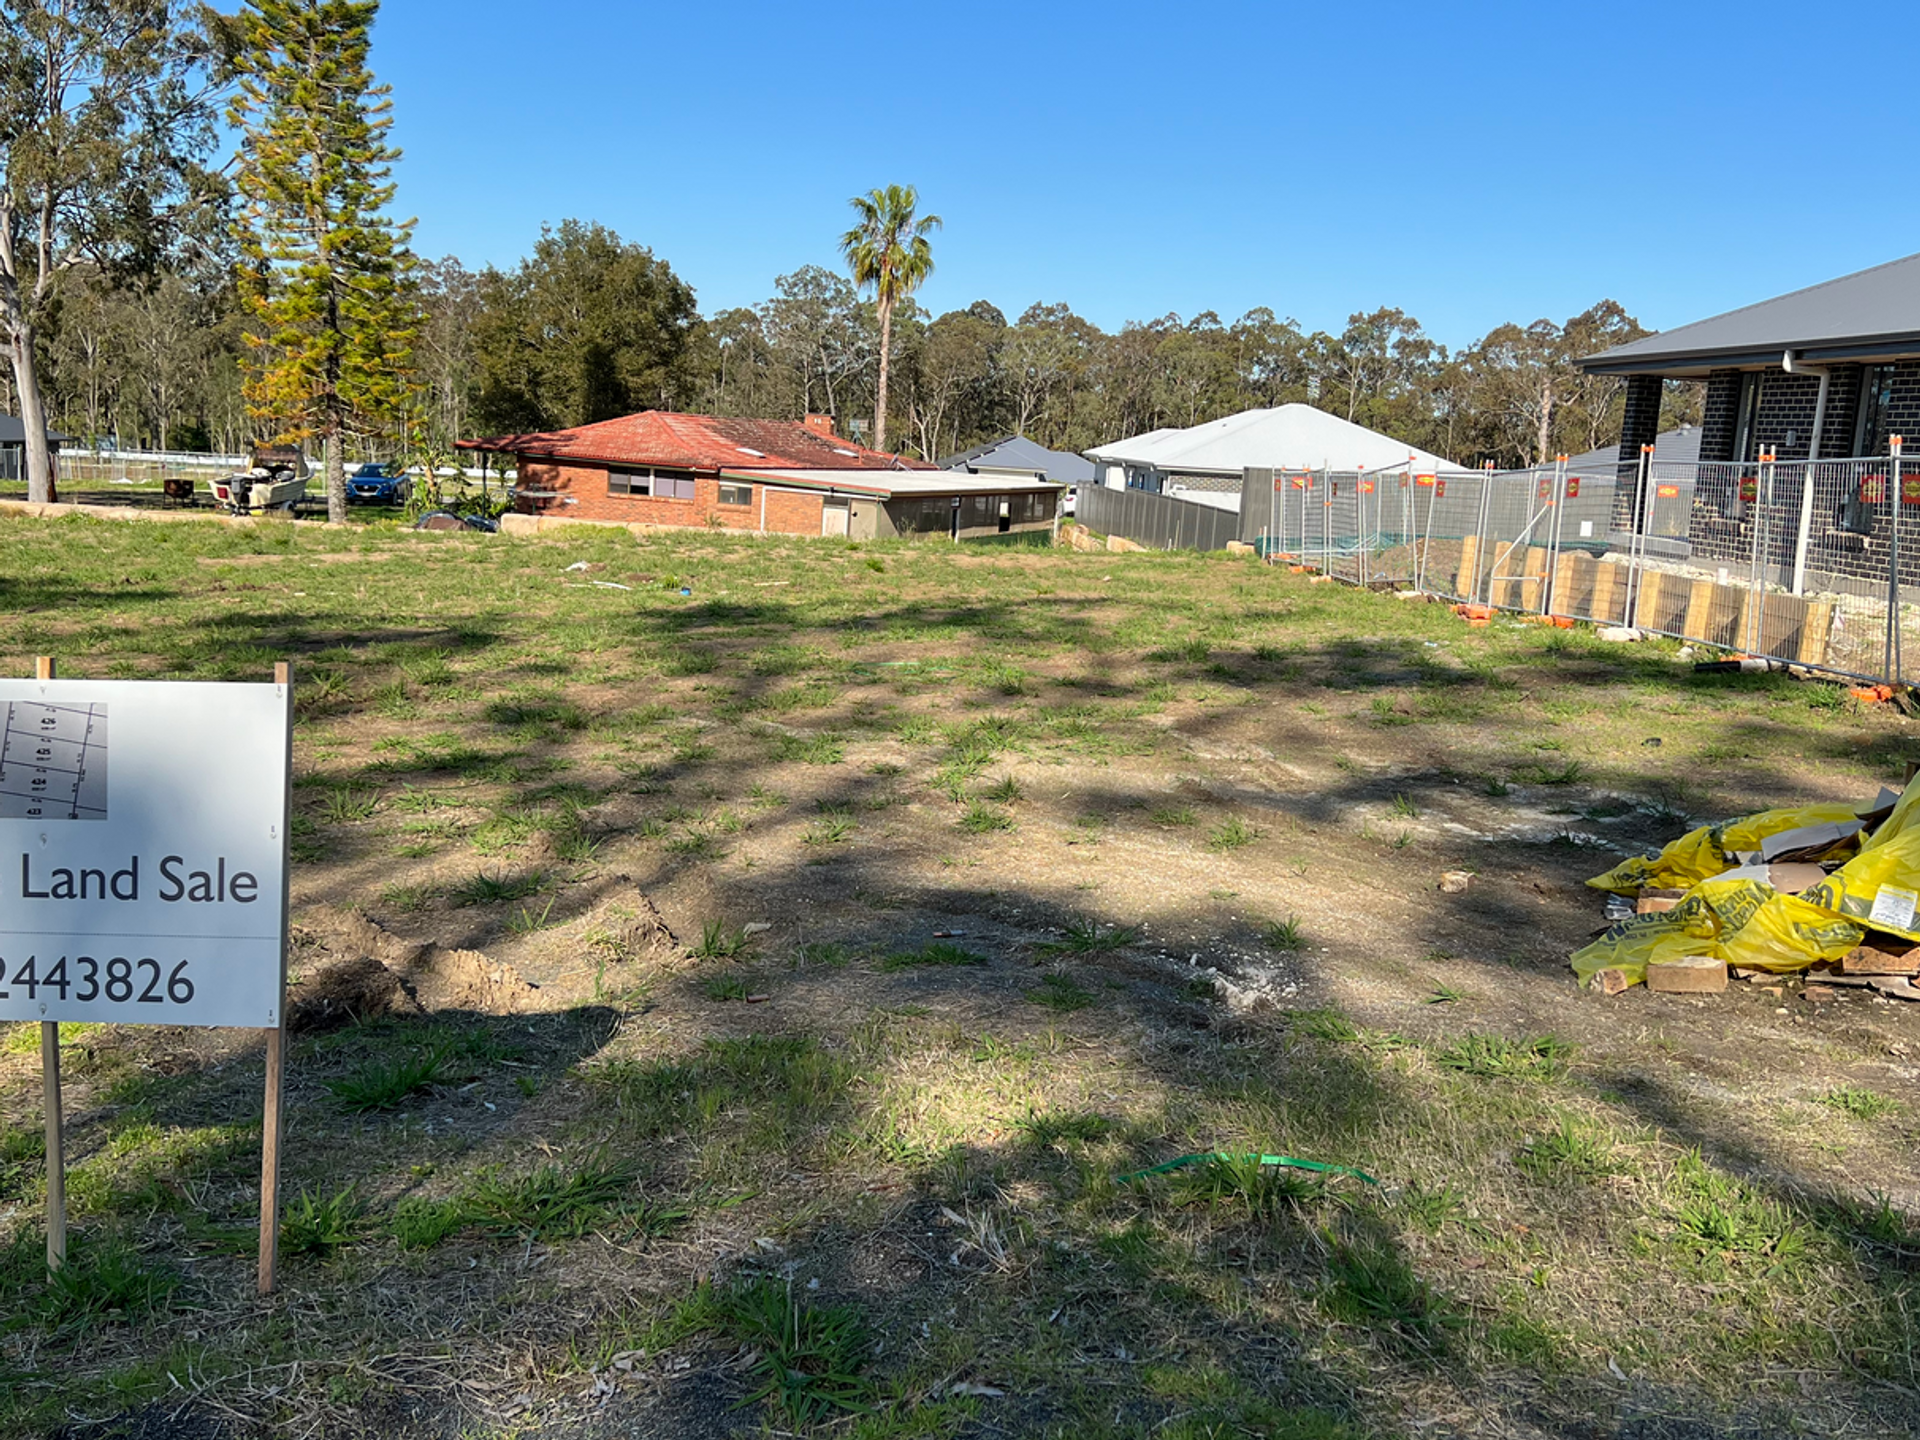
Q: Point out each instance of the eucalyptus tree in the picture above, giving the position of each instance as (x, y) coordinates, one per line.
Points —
(105, 112)
(888, 249)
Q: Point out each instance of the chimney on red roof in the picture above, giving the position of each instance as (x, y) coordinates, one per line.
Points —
(821, 425)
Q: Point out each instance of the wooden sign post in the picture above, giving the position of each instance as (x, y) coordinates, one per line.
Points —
(56, 1158)
(174, 911)
(277, 1035)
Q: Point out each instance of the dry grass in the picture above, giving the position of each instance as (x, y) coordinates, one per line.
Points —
(974, 860)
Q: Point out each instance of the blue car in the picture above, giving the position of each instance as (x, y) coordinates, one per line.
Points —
(379, 483)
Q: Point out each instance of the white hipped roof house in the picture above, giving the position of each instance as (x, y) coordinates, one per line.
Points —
(1205, 462)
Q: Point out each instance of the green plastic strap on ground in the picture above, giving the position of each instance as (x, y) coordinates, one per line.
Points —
(1291, 1162)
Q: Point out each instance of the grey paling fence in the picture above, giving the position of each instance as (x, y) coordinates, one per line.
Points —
(1160, 522)
(1806, 562)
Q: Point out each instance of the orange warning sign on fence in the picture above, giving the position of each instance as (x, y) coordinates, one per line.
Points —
(1667, 492)
(1423, 479)
(1873, 489)
(1366, 487)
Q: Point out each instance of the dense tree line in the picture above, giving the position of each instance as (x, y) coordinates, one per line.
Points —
(589, 326)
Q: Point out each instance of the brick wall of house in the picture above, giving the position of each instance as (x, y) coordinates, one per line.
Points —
(1784, 424)
(580, 493)
(1639, 424)
(1843, 409)
(1719, 414)
(1787, 403)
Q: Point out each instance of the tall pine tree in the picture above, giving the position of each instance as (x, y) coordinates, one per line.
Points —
(326, 268)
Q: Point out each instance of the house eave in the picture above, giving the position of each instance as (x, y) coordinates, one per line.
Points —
(1695, 365)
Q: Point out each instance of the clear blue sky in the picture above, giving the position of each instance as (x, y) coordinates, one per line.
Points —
(1471, 163)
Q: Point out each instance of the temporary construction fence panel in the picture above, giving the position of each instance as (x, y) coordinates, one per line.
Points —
(1803, 562)
(1160, 522)
(1806, 562)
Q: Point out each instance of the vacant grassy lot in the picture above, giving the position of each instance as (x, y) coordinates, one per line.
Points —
(995, 876)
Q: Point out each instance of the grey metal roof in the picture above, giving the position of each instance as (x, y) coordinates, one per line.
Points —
(1681, 446)
(1869, 313)
(12, 432)
(1016, 452)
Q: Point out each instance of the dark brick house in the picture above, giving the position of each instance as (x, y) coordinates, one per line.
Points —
(1820, 374)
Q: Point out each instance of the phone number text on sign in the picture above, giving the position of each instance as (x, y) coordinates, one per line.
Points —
(123, 978)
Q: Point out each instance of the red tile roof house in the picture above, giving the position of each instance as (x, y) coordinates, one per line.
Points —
(767, 476)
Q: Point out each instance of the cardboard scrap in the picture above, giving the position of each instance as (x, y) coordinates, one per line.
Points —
(1655, 902)
(1807, 842)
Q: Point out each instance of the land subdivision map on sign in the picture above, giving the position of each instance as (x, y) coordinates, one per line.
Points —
(53, 761)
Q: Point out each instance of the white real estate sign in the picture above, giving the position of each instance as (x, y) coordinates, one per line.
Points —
(143, 851)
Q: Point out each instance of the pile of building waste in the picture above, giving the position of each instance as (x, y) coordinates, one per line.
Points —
(1828, 891)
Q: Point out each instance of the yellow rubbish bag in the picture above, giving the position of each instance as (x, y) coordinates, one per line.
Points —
(1709, 910)
(1694, 857)
(1879, 887)
(1789, 933)
(1704, 853)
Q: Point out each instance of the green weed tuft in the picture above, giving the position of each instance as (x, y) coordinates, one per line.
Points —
(980, 818)
(319, 1226)
(421, 1224)
(1232, 834)
(383, 1084)
(810, 1358)
(493, 887)
(1328, 1025)
(725, 987)
(1542, 1058)
(1370, 1283)
(1086, 937)
(1284, 935)
(101, 1282)
(1860, 1103)
(1059, 992)
(935, 952)
(554, 1202)
(721, 941)
(1242, 1182)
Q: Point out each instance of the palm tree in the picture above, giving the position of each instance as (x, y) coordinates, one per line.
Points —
(888, 250)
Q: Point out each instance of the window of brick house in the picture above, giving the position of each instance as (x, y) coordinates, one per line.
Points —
(651, 480)
(736, 494)
(1870, 427)
(1746, 428)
